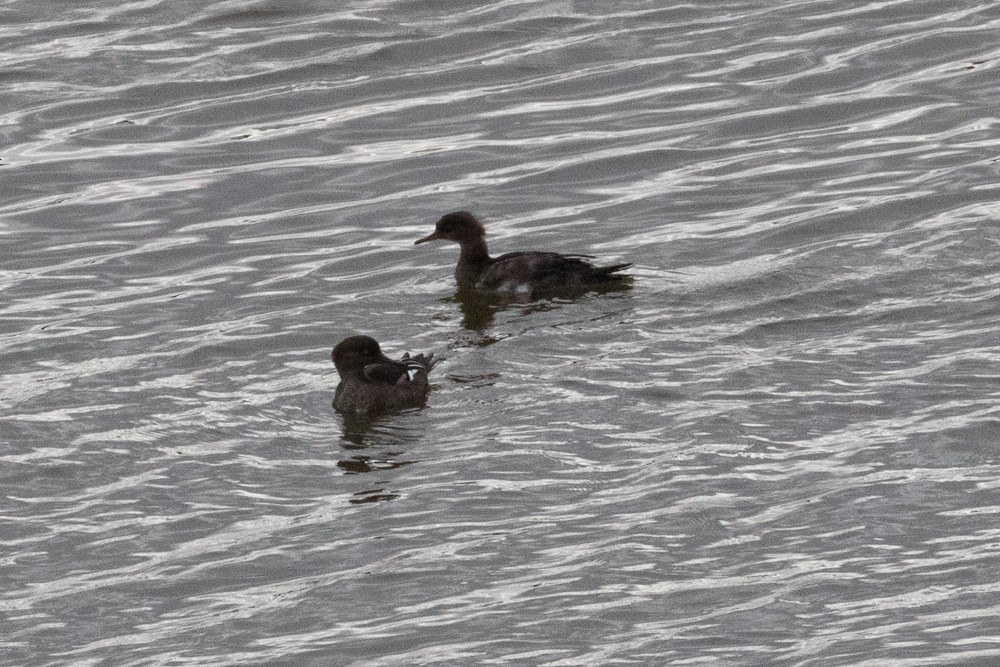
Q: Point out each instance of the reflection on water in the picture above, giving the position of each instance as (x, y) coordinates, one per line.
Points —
(375, 445)
(479, 309)
(776, 447)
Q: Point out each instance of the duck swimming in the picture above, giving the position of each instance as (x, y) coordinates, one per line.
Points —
(371, 382)
(530, 272)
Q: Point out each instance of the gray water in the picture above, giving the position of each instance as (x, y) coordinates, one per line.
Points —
(779, 448)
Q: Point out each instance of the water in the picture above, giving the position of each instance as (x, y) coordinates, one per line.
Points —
(778, 448)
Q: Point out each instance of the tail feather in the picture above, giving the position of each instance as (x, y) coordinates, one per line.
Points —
(610, 273)
(426, 360)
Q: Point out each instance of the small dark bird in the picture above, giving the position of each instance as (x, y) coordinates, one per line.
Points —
(518, 272)
(370, 382)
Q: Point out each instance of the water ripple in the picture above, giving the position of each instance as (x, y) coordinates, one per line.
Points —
(777, 448)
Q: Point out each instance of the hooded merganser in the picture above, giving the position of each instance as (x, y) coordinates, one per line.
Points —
(518, 272)
(371, 382)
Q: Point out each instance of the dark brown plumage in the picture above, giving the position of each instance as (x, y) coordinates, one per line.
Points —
(518, 272)
(370, 382)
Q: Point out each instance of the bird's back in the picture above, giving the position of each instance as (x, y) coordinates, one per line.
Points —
(386, 386)
(545, 271)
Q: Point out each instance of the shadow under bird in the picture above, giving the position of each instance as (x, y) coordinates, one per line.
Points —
(370, 382)
(529, 272)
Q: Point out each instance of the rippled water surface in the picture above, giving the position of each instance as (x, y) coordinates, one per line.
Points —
(779, 448)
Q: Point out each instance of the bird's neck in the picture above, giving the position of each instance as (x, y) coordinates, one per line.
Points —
(474, 251)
